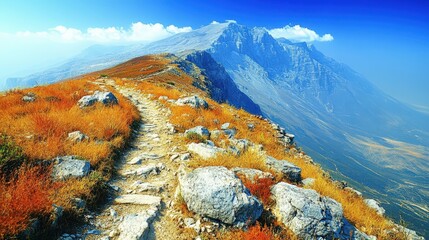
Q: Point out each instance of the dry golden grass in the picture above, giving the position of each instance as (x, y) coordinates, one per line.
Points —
(355, 210)
(248, 159)
(40, 128)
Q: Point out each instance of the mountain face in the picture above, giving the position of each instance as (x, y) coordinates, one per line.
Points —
(376, 143)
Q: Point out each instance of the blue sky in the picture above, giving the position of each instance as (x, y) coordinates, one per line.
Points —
(385, 41)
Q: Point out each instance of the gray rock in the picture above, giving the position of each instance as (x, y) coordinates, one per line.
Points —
(353, 191)
(106, 98)
(193, 101)
(225, 126)
(29, 97)
(185, 156)
(230, 132)
(205, 150)
(138, 199)
(375, 205)
(241, 144)
(70, 167)
(136, 226)
(289, 171)
(251, 173)
(410, 234)
(77, 136)
(200, 130)
(309, 215)
(216, 192)
(308, 181)
(93, 232)
(189, 222)
(145, 171)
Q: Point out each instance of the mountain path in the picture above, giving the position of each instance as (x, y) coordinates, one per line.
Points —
(146, 180)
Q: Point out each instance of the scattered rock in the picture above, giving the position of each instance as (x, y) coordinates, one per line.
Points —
(163, 98)
(217, 193)
(204, 150)
(170, 128)
(375, 205)
(143, 156)
(251, 173)
(106, 98)
(145, 186)
(193, 101)
(185, 156)
(29, 97)
(306, 213)
(93, 232)
(251, 126)
(241, 144)
(77, 136)
(114, 187)
(230, 132)
(136, 226)
(410, 234)
(113, 213)
(138, 199)
(200, 130)
(145, 171)
(308, 181)
(70, 167)
(353, 191)
(289, 171)
(174, 157)
(225, 126)
(189, 222)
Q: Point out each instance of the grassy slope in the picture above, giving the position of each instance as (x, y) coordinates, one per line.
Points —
(48, 122)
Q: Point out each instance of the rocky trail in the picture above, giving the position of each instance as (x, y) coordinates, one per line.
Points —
(146, 179)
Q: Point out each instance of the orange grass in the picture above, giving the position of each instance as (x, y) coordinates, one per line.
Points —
(41, 127)
(260, 188)
(24, 197)
(248, 159)
(355, 210)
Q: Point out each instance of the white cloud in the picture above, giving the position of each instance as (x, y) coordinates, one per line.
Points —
(299, 34)
(214, 22)
(137, 32)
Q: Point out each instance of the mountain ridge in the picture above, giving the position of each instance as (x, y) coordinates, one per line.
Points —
(293, 83)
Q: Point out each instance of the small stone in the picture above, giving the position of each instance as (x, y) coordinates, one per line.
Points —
(174, 157)
(225, 126)
(189, 222)
(113, 233)
(185, 156)
(77, 136)
(93, 232)
(138, 199)
(200, 130)
(308, 181)
(113, 213)
(29, 97)
(193, 101)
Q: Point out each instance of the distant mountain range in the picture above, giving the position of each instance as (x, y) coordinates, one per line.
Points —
(376, 143)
